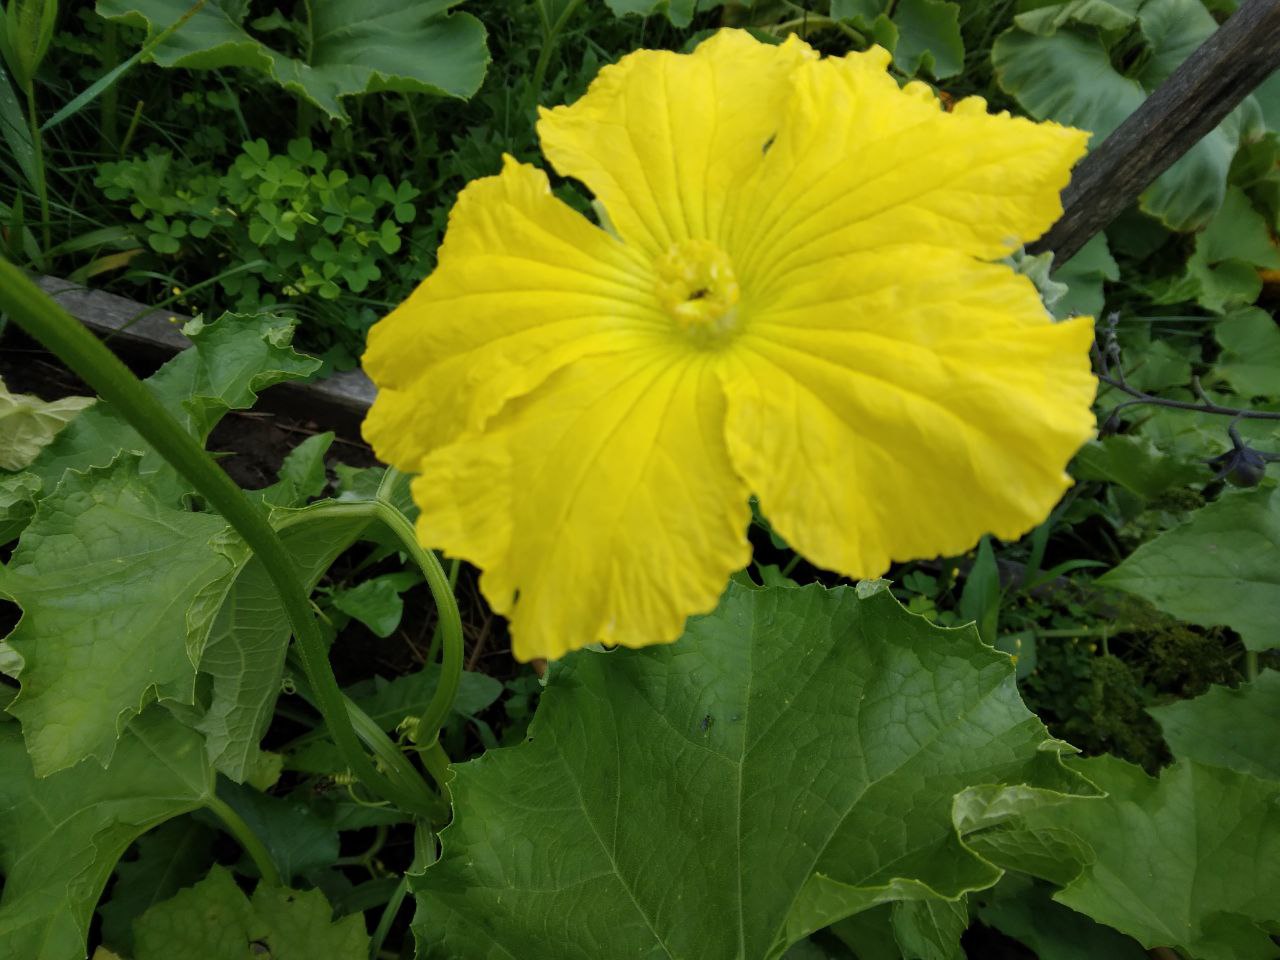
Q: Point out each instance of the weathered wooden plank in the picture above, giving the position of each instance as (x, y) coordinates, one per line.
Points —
(1207, 86)
(340, 400)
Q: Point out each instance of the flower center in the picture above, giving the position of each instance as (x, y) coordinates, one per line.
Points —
(697, 288)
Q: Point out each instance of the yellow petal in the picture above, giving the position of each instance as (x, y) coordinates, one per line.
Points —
(524, 285)
(859, 163)
(900, 403)
(603, 507)
(663, 139)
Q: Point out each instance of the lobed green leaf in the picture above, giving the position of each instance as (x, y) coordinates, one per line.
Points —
(791, 761)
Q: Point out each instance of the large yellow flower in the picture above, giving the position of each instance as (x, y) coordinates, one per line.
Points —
(790, 294)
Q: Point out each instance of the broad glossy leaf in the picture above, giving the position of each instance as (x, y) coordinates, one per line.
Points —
(928, 38)
(1032, 67)
(1045, 19)
(1250, 359)
(1057, 64)
(108, 578)
(679, 12)
(792, 760)
(1191, 860)
(60, 836)
(1173, 30)
(923, 35)
(214, 920)
(29, 424)
(1222, 272)
(403, 45)
(1238, 232)
(1220, 568)
(1239, 728)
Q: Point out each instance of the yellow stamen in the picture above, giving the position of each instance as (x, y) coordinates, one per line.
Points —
(697, 288)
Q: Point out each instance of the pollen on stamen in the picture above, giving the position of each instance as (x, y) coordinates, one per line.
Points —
(697, 288)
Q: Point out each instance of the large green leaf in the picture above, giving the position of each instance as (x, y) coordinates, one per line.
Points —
(376, 602)
(1084, 275)
(1057, 62)
(297, 837)
(679, 12)
(1250, 359)
(60, 836)
(18, 495)
(928, 929)
(303, 474)
(1220, 568)
(1021, 908)
(387, 702)
(348, 48)
(172, 856)
(108, 578)
(1222, 272)
(1239, 728)
(229, 362)
(215, 921)
(1191, 860)
(928, 38)
(1136, 464)
(29, 424)
(923, 35)
(791, 761)
(246, 647)
(1268, 96)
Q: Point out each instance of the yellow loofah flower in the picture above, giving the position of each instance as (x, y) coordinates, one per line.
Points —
(791, 295)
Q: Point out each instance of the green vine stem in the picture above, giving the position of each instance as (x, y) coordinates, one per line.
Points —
(551, 37)
(387, 754)
(57, 330)
(1250, 665)
(249, 840)
(389, 914)
(454, 565)
(427, 731)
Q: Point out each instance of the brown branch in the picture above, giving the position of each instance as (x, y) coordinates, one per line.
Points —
(1208, 85)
